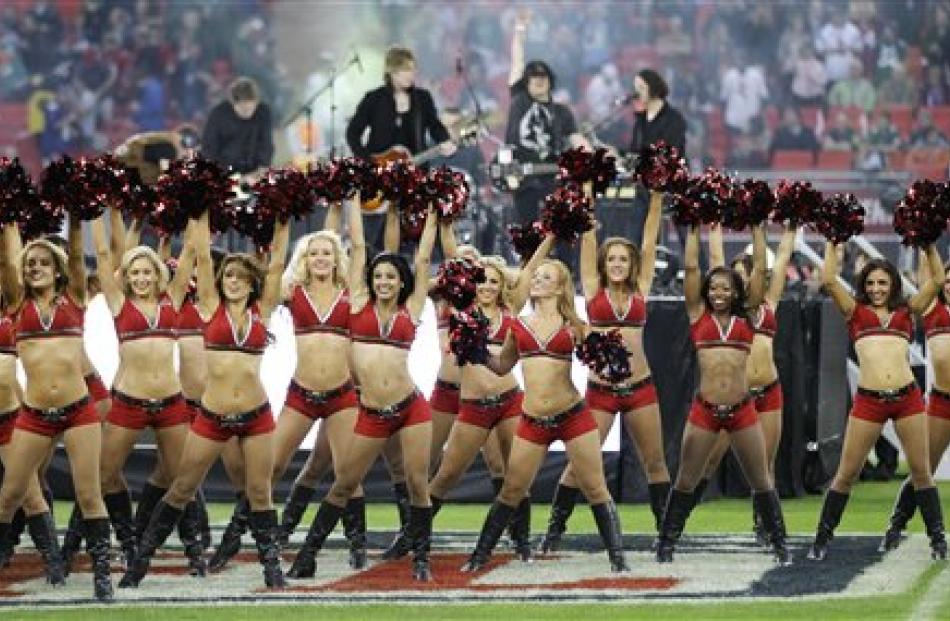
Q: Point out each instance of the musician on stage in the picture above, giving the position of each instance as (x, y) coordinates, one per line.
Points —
(238, 131)
(399, 113)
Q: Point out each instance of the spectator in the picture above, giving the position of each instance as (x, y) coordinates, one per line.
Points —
(855, 91)
(810, 79)
(743, 90)
(43, 36)
(890, 53)
(882, 139)
(839, 41)
(840, 136)
(675, 44)
(149, 109)
(935, 42)
(13, 78)
(603, 90)
(935, 91)
(791, 45)
(899, 89)
(926, 135)
(792, 135)
(748, 149)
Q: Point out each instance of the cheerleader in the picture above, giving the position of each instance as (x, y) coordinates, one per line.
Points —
(49, 328)
(717, 307)
(616, 278)
(937, 329)
(386, 300)
(552, 410)
(235, 304)
(763, 377)
(881, 325)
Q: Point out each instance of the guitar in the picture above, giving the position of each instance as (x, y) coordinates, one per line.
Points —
(468, 134)
(508, 176)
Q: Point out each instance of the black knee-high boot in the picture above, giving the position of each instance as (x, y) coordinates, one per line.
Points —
(43, 532)
(608, 525)
(929, 502)
(72, 539)
(769, 509)
(495, 523)
(119, 506)
(698, 492)
(164, 519)
(354, 529)
(149, 497)
(305, 564)
(6, 552)
(678, 508)
(204, 524)
(831, 511)
(189, 531)
(562, 505)
(297, 502)
(402, 543)
(50, 501)
(10, 538)
(264, 529)
(519, 529)
(904, 508)
(659, 493)
(17, 526)
(420, 528)
(230, 543)
(97, 544)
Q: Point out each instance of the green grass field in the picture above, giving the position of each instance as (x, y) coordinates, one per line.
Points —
(867, 513)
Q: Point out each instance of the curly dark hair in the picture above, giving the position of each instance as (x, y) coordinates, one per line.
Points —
(895, 299)
(738, 307)
(406, 278)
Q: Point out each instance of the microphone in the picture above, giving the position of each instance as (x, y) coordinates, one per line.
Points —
(357, 60)
(458, 65)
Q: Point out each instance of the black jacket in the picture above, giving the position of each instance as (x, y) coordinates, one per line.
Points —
(243, 144)
(668, 125)
(377, 111)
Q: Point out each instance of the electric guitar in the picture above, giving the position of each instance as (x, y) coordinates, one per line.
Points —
(508, 176)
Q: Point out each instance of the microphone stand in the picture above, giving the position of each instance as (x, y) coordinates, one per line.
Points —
(463, 74)
(306, 110)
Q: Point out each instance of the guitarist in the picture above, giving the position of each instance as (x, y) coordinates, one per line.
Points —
(395, 114)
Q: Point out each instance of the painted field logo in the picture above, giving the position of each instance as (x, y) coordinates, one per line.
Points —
(706, 567)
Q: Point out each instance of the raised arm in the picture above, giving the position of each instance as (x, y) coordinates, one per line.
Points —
(105, 268)
(334, 217)
(76, 262)
(692, 279)
(450, 245)
(782, 256)
(829, 278)
(759, 269)
(717, 255)
(417, 298)
(178, 287)
(522, 288)
(275, 268)
(358, 292)
(504, 361)
(133, 236)
(517, 48)
(590, 277)
(651, 229)
(9, 267)
(208, 299)
(927, 289)
(392, 230)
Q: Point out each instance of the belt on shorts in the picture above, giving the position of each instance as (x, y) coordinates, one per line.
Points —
(57, 415)
(939, 393)
(5, 416)
(151, 406)
(234, 420)
(553, 422)
(492, 401)
(621, 390)
(393, 411)
(759, 391)
(320, 397)
(888, 396)
(724, 412)
(195, 403)
(444, 385)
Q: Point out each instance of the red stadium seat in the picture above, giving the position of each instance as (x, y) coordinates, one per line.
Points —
(793, 160)
(772, 117)
(903, 118)
(941, 116)
(835, 160)
(809, 116)
(28, 150)
(928, 163)
(897, 160)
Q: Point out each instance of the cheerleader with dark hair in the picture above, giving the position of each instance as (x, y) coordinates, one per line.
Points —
(718, 309)
(880, 322)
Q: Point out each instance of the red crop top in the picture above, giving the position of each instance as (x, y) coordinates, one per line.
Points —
(67, 319)
(366, 328)
(706, 333)
(221, 333)
(937, 320)
(559, 345)
(765, 322)
(131, 323)
(308, 320)
(602, 314)
(189, 321)
(501, 332)
(865, 322)
(7, 336)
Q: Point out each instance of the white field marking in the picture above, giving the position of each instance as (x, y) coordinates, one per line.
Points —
(935, 602)
(913, 557)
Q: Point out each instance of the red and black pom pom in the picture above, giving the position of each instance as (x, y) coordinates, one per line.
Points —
(249, 220)
(82, 188)
(469, 336)
(284, 193)
(840, 218)
(921, 218)
(707, 198)
(187, 189)
(342, 178)
(526, 239)
(567, 213)
(757, 201)
(446, 190)
(579, 166)
(399, 181)
(605, 354)
(796, 202)
(457, 281)
(18, 195)
(661, 168)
